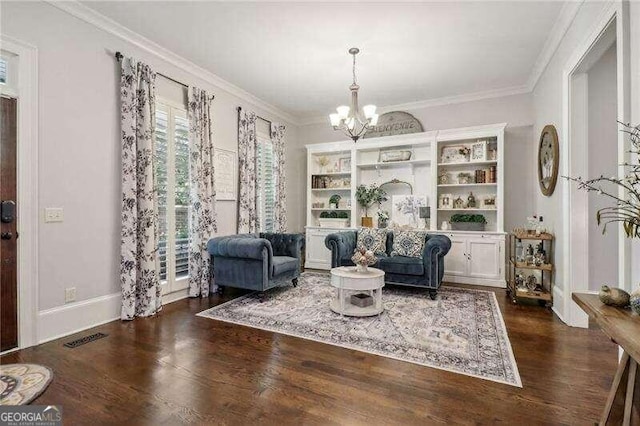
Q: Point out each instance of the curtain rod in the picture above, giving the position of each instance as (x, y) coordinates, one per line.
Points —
(257, 116)
(119, 57)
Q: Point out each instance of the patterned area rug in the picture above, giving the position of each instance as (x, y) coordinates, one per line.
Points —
(22, 383)
(461, 331)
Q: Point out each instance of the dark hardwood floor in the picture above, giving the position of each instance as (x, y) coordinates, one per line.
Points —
(178, 368)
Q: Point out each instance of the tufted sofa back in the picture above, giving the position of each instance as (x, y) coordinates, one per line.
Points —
(284, 244)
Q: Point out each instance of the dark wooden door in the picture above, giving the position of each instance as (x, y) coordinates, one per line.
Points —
(8, 228)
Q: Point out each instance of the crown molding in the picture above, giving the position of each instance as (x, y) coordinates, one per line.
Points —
(556, 35)
(98, 20)
(563, 22)
(428, 103)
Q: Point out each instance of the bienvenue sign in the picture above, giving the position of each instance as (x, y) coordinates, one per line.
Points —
(394, 123)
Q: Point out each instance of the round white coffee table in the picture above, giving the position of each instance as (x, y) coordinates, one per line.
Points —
(362, 285)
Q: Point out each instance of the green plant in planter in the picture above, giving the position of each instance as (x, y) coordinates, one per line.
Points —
(335, 199)
(468, 218)
(324, 215)
(333, 215)
(366, 196)
(343, 215)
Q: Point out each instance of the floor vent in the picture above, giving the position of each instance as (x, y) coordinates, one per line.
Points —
(84, 340)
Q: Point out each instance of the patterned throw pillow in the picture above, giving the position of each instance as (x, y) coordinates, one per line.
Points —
(408, 243)
(372, 239)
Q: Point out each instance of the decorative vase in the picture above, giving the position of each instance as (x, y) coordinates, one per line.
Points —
(362, 268)
(634, 301)
(367, 222)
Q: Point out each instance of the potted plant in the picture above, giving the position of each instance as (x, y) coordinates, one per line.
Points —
(323, 161)
(333, 219)
(468, 222)
(366, 196)
(334, 200)
(383, 219)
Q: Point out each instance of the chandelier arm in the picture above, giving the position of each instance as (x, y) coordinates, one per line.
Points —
(347, 133)
(362, 130)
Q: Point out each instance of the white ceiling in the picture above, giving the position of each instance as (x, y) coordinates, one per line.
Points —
(294, 55)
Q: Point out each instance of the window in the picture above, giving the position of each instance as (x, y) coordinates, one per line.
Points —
(266, 185)
(172, 180)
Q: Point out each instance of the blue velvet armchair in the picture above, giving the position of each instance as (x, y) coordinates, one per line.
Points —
(426, 271)
(256, 262)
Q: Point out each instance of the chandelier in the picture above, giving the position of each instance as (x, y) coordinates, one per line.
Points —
(353, 122)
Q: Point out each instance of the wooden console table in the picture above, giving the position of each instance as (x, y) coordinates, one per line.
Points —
(623, 403)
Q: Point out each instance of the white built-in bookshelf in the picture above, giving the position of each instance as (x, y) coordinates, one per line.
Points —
(472, 159)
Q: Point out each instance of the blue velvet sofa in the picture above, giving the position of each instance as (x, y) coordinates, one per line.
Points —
(256, 262)
(426, 271)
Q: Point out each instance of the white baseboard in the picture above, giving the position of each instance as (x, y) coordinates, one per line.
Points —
(474, 281)
(558, 303)
(62, 321)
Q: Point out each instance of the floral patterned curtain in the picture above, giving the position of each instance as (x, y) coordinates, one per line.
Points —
(141, 293)
(277, 138)
(247, 144)
(202, 224)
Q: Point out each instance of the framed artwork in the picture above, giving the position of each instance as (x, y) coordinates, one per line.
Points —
(394, 154)
(454, 154)
(345, 164)
(479, 151)
(548, 159)
(406, 209)
(445, 201)
(226, 176)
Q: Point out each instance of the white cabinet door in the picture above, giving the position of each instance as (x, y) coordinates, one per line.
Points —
(455, 262)
(484, 258)
(318, 256)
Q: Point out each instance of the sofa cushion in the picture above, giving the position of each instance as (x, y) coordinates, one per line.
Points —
(401, 265)
(284, 264)
(408, 243)
(372, 239)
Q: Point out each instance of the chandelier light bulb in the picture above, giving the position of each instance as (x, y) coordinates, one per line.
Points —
(335, 119)
(343, 111)
(369, 111)
(374, 120)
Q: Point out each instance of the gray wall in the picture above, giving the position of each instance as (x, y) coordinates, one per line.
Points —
(603, 160)
(79, 158)
(547, 102)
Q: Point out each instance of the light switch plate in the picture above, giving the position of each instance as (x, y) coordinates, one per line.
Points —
(53, 214)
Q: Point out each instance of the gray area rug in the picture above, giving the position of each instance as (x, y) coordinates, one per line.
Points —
(461, 331)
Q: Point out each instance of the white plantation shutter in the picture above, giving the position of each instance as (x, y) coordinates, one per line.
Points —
(171, 162)
(266, 185)
(182, 188)
(160, 159)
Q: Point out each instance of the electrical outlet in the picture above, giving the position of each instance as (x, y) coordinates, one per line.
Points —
(69, 295)
(52, 214)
